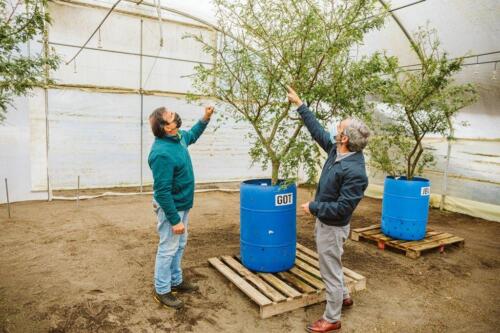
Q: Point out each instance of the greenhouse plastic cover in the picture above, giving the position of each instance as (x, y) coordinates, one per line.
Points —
(94, 111)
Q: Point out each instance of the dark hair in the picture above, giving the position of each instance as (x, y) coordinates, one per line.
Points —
(157, 122)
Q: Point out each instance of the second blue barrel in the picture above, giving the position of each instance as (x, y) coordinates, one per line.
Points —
(267, 226)
(405, 208)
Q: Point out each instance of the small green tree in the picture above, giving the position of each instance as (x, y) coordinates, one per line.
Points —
(419, 102)
(264, 45)
(19, 72)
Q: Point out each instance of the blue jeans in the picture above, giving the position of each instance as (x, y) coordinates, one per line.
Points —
(168, 270)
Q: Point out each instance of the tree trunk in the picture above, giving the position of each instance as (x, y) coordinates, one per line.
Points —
(275, 171)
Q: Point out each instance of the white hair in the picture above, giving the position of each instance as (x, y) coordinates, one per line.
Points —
(358, 134)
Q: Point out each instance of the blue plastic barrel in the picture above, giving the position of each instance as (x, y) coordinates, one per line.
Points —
(267, 226)
(405, 207)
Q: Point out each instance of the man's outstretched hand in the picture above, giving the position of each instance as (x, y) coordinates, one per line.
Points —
(293, 97)
(209, 110)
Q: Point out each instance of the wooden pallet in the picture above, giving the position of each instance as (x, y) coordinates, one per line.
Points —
(413, 249)
(281, 292)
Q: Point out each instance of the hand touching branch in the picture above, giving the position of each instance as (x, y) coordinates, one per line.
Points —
(293, 97)
(209, 110)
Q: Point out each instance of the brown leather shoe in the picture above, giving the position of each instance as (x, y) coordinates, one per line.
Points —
(323, 326)
(347, 303)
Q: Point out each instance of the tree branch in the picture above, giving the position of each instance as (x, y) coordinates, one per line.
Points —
(291, 141)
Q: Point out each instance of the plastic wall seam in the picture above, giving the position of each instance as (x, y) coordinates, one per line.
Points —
(110, 194)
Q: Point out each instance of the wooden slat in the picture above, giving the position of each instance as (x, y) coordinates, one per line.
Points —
(370, 232)
(313, 281)
(308, 268)
(438, 243)
(280, 285)
(377, 236)
(412, 254)
(259, 283)
(308, 299)
(439, 235)
(350, 284)
(349, 276)
(402, 241)
(413, 244)
(354, 236)
(305, 250)
(244, 286)
(413, 249)
(308, 259)
(375, 226)
(403, 244)
(352, 274)
(312, 266)
(348, 280)
(356, 285)
(302, 286)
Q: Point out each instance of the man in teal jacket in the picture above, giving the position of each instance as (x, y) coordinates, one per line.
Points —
(173, 184)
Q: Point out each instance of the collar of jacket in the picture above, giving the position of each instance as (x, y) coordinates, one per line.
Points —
(356, 158)
(174, 138)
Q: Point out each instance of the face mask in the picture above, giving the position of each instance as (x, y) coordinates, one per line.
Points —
(333, 132)
(178, 120)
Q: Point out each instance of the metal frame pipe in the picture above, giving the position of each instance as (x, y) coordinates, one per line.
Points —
(7, 194)
(141, 121)
(131, 53)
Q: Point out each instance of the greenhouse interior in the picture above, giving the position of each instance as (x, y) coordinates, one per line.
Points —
(337, 164)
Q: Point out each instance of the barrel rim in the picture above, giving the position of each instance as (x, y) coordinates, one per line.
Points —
(257, 183)
(404, 179)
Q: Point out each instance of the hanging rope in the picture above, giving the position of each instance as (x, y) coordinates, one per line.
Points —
(158, 10)
(95, 31)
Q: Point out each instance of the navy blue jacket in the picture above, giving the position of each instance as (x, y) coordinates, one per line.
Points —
(342, 184)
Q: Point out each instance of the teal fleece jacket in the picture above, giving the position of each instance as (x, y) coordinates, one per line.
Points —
(173, 177)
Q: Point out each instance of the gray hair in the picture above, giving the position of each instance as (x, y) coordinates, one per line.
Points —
(358, 134)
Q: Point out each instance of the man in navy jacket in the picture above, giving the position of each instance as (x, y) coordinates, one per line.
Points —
(341, 186)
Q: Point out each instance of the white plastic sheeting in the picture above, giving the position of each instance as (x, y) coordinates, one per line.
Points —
(94, 115)
(15, 163)
(465, 28)
(97, 136)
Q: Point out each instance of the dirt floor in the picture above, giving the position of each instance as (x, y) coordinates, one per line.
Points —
(89, 269)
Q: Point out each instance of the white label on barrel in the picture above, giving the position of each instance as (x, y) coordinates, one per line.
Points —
(283, 199)
(425, 191)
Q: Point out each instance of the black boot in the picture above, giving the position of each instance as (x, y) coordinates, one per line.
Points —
(185, 287)
(169, 300)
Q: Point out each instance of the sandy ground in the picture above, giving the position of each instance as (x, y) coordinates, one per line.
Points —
(89, 269)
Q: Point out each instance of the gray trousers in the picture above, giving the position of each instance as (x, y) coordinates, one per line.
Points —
(330, 244)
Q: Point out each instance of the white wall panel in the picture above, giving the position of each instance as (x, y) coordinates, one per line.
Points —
(175, 45)
(15, 162)
(38, 140)
(98, 69)
(73, 25)
(169, 75)
(95, 136)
